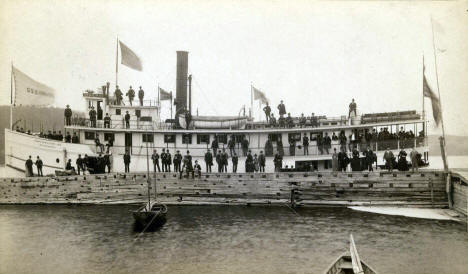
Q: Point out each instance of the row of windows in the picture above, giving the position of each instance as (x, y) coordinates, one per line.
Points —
(89, 135)
(118, 111)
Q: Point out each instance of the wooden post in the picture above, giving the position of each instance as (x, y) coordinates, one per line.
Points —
(431, 185)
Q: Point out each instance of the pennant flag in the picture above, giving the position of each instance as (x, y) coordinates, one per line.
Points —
(29, 92)
(164, 95)
(129, 58)
(436, 108)
(258, 95)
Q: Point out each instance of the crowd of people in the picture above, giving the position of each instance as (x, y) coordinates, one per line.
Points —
(54, 135)
(118, 95)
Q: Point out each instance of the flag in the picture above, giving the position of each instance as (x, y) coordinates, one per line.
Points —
(30, 92)
(258, 95)
(164, 95)
(129, 58)
(436, 108)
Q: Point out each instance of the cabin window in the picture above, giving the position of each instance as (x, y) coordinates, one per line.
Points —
(118, 111)
(222, 138)
(169, 138)
(146, 118)
(147, 137)
(108, 136)
(88, 135)
(187, 138)
(294, 137)
(274, 137)
(138, 113)
(203, 138)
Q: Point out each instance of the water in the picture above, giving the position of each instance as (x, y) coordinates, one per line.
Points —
(223, 239)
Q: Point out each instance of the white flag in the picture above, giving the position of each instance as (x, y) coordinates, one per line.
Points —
(259, 95)
(29, 92)
(129, 58)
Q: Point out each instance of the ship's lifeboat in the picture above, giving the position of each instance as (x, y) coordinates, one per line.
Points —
(213, 122)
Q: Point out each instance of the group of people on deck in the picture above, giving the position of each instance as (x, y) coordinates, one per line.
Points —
(288, 121)
(118, 95)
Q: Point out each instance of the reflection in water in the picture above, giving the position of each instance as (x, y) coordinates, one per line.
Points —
(222, 239)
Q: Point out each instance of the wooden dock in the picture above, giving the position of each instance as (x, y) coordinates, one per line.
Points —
(420, 189)
(459, 189)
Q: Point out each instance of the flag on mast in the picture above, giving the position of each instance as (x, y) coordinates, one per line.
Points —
(164, 95)
(436, 107)
(29, 92)
(129, 58)
(259, 95)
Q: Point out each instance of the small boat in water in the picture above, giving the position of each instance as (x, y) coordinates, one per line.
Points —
(153, 214)
(350, 263)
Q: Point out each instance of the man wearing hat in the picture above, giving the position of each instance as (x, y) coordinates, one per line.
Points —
(281, 109)
(208, 160)
(118, 95)
(388, 158)
(127, 119)
(141, 95)
(197, 169)
(177, 161)
(68, 115)
(130, 94)
(92, 117)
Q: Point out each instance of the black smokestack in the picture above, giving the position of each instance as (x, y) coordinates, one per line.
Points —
(181, 81)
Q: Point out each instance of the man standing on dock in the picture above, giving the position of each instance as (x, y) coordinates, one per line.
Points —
(127, 159)
(208, 161)
(235, 160)
(369, 158)
(278, 162)
(39, 166)
(79, 164)
(29, 167)
(414, 156)
(261, 161)
(388, 158)
(163, 160)
(68, 115)
(141, 95)
(168, 161)
(177, 161)
(267, 110)
(224, 160)
(130, 94)
(155, 158)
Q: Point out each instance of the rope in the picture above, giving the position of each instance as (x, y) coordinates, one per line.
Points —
(205, 97)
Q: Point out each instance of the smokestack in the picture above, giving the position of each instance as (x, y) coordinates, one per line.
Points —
(181, 82)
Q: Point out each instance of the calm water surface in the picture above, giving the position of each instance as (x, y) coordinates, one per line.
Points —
(222, 239)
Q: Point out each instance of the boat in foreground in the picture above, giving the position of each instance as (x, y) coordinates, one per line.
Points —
(152, 214)
(350, 263)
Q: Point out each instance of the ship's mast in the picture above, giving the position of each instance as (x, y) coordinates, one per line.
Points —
(11, 97)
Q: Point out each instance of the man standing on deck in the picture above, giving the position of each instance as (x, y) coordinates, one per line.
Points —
(107, 121)
(39, 166)
(127, 120)
(118, 95)
(267, 110)
(141, 95)
(130, 94)
(231, 145)
(29, 167)
(235, 160)
(388, 158)
(278, 161)
(75, 139)
(208, 161)
(155, 158)
(126, 159)
(281, 109)
(92, 117)
(68, 115)
(79, 164)
(245, 146)
(343, 160)
(177, 161)
(305, 144)
(214, 145)
(352, 108)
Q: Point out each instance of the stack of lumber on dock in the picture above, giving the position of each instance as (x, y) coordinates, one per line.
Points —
(420, 189)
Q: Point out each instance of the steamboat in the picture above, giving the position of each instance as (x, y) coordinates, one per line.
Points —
(189, 132)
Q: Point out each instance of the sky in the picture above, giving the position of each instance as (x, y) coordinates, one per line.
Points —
(314, 55)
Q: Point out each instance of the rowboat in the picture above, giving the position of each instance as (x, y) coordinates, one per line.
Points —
(151, 215)
(214, 122)
(350, 263)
